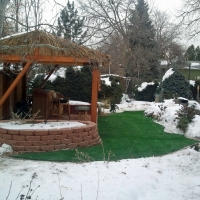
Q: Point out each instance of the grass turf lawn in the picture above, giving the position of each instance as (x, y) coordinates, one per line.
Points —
(124, 135)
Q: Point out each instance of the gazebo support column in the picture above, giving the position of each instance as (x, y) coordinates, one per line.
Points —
(14, 84)
(95, 81)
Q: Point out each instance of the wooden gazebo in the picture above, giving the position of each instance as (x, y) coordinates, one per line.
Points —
(39, 47)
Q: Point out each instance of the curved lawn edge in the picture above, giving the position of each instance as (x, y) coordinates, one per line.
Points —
(125, 135)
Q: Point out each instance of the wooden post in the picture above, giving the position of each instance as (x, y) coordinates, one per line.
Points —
(95, 81)
(14, 84)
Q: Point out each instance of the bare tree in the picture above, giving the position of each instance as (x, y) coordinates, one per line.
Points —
(13, 10)
(115, 47)
(105, 17)
(189, 17)
(27, 15)
(173, 52)
(33, 14)
(3, 5)
(167, 37)
(110, 24)
(17, 5)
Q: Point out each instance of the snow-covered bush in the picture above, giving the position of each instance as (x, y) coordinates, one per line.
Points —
(186, 115)
(166, 114)
(174, 84)
(146, 91)
(112, 92)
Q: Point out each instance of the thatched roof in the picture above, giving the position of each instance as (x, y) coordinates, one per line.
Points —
(49, 45)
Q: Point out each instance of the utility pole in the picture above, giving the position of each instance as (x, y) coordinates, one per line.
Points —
(189, 72)
(198, 78)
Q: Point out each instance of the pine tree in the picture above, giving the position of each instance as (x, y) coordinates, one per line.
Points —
(143, 61)
(197, 52)
(70, 25)
(191, 53)
(78, 84)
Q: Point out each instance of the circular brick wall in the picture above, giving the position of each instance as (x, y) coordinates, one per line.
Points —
(35, 140)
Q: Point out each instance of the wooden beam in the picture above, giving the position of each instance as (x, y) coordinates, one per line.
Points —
(24, 87)
(95, 81)
(46, 79)
(44, 59)
(14, 83)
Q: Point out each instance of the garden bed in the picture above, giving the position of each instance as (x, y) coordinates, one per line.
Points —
(38, 137)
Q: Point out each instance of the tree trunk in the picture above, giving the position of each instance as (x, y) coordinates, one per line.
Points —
(3, 5)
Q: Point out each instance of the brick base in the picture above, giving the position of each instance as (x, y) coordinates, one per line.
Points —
(50, 140)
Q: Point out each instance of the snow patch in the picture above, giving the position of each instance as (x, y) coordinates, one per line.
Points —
(168, 74)
(5, 148)
(144, 85)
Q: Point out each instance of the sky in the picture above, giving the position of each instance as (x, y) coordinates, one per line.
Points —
(167, 5)
(171, 7)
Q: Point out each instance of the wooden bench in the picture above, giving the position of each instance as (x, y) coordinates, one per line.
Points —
(82, 110)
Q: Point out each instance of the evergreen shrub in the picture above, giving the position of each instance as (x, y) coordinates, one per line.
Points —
(77, 85)
(113, 92)
(183, 124)
(185, 116)
(175, 85)
(147, 94)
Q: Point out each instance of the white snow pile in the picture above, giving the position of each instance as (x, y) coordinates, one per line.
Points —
(124, 98)
(5, 149)
(166, 115)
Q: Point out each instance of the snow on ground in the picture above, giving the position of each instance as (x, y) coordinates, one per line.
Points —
(5, 149)
(50, 125)
(168, 117)
(174, 176)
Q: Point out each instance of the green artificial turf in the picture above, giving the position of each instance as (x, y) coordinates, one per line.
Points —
(124, 135)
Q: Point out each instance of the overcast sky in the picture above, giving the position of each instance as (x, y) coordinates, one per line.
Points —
(167, 5)
(170, 6)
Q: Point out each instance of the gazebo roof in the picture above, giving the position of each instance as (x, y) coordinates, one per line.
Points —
(50, 49)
